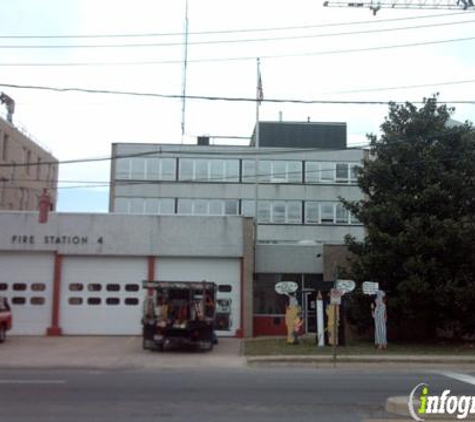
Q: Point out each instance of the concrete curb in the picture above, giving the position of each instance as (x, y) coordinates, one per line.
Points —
(366, 359)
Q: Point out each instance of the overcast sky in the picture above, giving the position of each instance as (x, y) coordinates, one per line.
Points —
(334, 54)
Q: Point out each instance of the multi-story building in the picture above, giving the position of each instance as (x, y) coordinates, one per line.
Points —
(26, 169)
(303, 169)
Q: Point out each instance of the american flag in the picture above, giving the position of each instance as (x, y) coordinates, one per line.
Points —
(260, 91)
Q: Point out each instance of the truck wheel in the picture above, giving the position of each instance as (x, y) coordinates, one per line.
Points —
(3, 333)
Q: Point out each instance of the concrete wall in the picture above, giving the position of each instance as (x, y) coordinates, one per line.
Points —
(21, 185)
(289, 258)
(116, 234)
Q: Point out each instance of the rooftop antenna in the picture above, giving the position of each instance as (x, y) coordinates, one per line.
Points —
(183, 82)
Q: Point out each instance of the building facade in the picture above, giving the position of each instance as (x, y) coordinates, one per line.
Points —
(25, 170)
(295, 191)
(82, 274)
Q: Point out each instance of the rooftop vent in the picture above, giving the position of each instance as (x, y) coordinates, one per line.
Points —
(203, 140)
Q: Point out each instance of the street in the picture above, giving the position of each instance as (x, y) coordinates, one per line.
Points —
(209, 394)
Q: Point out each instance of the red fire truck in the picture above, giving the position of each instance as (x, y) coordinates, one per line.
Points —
(5, 318)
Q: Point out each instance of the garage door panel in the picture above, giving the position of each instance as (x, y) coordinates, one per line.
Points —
(102, 295)
(226, 272)
(26, 280)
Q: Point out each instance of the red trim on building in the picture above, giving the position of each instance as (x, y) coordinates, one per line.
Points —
(55, 329)
(240, 330)
(269, 325)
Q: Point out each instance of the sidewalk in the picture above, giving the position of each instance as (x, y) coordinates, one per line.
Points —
(98, 352)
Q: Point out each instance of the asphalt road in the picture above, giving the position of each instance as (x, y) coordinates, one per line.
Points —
(236, 394)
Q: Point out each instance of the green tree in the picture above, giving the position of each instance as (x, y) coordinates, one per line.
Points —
(419, 215)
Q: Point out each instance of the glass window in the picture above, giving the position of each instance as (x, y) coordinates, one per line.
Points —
(94, 287)
(342, 214)
(75, 300)
(326, 212)
(279, 171)
(201, 170)
(225, 288)
(231, 207)
(266, 300)
(19, 287)
(151, 206)
(294, 212)
(138, 167)
(294, 171)
(342, 172)
(327, 172)
(3, 286)
(186, 169)
(112, 301)
(264, 171)
(231, 171)
(131, 301)
(37, 300)
(200, 207)
(263, 212)
(168, 169)
(312, 172)
(248, 170)
(354, 220)
(153, 168)
(215, 207)
(278, 212)
(217, 170)
(131, 287)
(94, 301)
(18, 301)
(167, 206)
(185, 206)
(247, 208)
(311, 213)
(113, 287)
(121, 205)
(122, 168)
(76, 287)
(136, 205)
(38, 287)
(353, 173)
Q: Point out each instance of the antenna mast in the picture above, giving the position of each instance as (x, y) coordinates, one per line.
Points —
(183, 82)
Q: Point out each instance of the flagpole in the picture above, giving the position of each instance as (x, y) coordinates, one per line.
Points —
(256, 146)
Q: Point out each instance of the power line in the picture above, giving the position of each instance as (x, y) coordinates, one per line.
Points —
(231, 31)
(229, 41)
(242, 58)
(216, 98)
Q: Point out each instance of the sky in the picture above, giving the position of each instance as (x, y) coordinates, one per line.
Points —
(306, 51)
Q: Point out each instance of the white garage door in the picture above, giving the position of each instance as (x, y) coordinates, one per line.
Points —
(223, 271)
(102, 295)
(26, 279)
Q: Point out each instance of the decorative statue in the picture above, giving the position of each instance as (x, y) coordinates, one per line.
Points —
(333, 318)
(380, 318)
(292, 321)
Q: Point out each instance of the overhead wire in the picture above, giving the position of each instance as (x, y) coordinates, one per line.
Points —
(218, 98)
(239, 58)
(229, 41)
(232, 31)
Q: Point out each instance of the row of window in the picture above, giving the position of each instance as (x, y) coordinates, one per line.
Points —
(234, 170)
(20, 300)
(21, 287)
(129, 301)
(97, 287)
(273, 212)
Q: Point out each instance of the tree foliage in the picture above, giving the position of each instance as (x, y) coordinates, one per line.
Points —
(419, 214)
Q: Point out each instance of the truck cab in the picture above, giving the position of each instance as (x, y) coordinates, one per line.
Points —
(179, 313)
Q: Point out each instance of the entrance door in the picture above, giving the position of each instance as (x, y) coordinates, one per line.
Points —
(310, 312)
